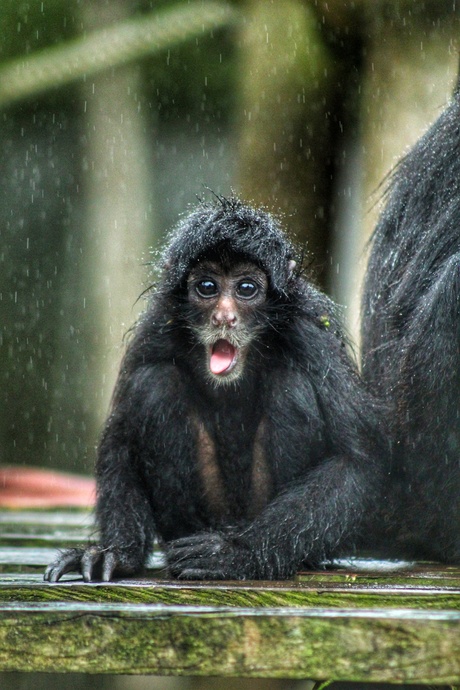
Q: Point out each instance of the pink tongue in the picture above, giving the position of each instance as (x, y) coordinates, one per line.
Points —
(223, 354)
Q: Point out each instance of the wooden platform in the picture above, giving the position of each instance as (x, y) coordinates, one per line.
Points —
(369, 621)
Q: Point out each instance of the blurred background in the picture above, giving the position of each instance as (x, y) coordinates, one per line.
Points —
(116, 114)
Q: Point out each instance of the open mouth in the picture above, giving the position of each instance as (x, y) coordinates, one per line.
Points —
(223, 357)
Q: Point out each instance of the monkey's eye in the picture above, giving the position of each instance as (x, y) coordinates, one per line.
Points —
(206, 288)
(247, 289)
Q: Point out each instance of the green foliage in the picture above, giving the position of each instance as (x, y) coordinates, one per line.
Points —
(194, 78)
(29, 26)
(188, 59)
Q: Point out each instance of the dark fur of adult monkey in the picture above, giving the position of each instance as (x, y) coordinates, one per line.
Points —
(241, 434)
(411, 342)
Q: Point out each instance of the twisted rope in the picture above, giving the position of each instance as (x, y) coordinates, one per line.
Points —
(111, 47)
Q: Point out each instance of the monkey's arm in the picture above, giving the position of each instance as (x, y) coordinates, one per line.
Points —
(123, 512)
(305, 524)
(124, 517)
(321, 508)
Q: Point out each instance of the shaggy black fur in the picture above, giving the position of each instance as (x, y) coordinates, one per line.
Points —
(411, 343)
(245, 480)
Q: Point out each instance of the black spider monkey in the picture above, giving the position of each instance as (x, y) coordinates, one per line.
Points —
(411, 342)
(240, 434)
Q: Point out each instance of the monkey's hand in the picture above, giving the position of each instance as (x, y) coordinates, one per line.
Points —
(210, 556)
(94, 563)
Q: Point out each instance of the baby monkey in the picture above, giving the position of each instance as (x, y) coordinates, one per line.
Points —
(240, 435)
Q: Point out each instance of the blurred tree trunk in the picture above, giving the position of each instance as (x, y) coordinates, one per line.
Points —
(410, 70)
(39, 142)
(285, 147)
(117, 180)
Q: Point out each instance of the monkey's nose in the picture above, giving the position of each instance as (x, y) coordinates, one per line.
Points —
(224, 318)
(225, 312)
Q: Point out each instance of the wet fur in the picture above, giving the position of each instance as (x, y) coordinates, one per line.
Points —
(253, 479)
(411, 343)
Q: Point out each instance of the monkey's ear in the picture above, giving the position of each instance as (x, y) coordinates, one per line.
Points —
(291, 266)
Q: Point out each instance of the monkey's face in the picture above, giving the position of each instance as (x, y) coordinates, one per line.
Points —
(225, 301)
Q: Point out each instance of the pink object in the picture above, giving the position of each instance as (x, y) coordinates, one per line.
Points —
(30, 487)
(222, 356)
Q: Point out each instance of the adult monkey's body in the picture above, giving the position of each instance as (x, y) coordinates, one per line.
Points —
(411, 343)
(240, 433)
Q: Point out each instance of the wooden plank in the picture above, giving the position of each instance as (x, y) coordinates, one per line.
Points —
(296, 629)
(362, 621)
(62, 528)
(26, 588)
(365, 645)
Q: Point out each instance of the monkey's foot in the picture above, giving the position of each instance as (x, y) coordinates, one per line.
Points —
(209, 556)
(94, 563)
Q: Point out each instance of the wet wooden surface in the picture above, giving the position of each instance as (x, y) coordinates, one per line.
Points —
(363, 620)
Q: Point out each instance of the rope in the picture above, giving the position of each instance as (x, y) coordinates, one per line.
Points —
(111, 47)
